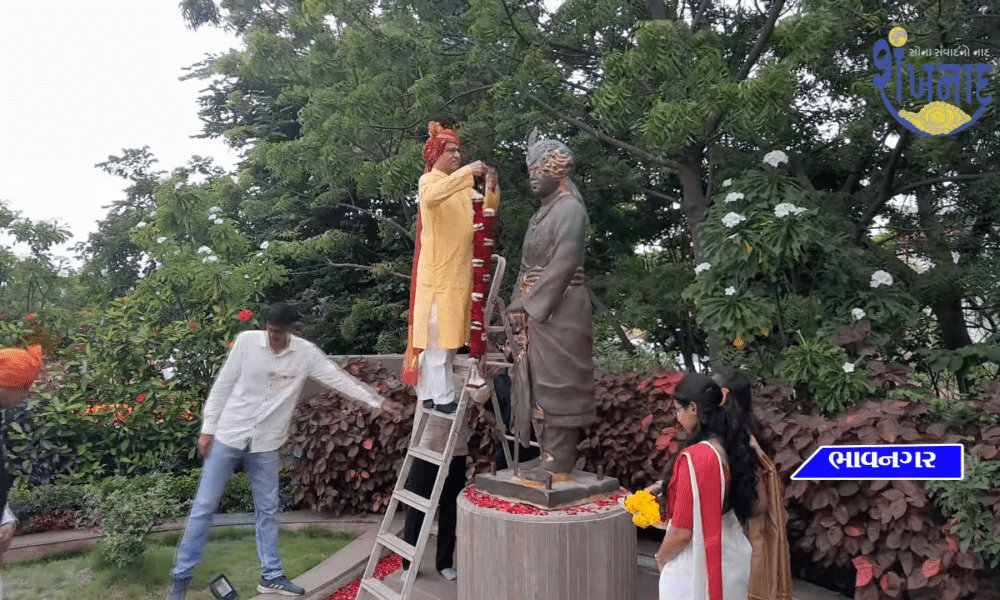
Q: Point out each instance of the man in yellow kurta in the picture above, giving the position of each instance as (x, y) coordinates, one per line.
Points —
(441, 287)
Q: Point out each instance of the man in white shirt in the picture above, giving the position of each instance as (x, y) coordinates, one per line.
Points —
(18, 370)
(246, 419)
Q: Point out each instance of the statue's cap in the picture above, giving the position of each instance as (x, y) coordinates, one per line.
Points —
(539, 148)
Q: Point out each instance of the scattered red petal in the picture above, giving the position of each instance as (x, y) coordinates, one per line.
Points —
(483, 500)
(647, 421)
(952, 544)
(385, 567)
(367, 444)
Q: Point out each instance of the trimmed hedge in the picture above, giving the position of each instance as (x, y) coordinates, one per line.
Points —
(67, 506)
(348, 457)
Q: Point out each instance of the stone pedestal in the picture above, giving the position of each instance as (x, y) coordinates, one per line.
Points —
(518, 552)
(583, 488)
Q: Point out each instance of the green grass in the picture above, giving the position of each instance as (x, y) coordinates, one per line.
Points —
(231, 550)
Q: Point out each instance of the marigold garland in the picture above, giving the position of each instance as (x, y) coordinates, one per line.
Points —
(644, 508)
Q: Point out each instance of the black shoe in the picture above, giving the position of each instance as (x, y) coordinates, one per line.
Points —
(447, 408)
(428, 404)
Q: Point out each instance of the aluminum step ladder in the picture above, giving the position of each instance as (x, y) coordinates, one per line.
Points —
(385, 540)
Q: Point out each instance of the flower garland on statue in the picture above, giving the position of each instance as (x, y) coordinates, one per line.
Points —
(482, 245)
(644, 508)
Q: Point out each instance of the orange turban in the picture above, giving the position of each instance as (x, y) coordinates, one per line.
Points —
(439, 138)
(19, 368)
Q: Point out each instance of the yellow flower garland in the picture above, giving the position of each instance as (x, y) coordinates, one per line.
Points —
(644, 508)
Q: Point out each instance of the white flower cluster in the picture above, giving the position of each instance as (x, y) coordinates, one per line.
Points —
(848, 367)
(264, 245)
(880, 278)
(210, 258)
(701, 268)
(785, 208)
(733, 197)
(161, 239)
(727, 183)
(775, 158)
(730, 291)
(858, 314)
(219, 222)
(204, 250)
(733, 219)
(140, 224)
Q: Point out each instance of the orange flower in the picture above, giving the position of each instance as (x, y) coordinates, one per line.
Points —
(140, 398)
(229, 344)
(192, 325)
(245, 315)
(764, 331)
(739, 343)
(30, 317)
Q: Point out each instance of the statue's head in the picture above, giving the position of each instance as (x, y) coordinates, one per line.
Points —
(550, 165)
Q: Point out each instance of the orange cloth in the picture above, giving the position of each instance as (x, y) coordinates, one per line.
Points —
(19, 368)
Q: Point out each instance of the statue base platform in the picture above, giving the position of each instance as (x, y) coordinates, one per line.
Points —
(580, 490)
(512, 551)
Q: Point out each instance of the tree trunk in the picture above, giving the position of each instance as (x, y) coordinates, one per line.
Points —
(657, 9)
(694, 204)
(947, 309)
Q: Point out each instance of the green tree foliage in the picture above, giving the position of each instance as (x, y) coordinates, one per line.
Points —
(664, 103)
(38, 280)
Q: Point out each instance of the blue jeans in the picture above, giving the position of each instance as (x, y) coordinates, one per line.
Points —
(262, 467)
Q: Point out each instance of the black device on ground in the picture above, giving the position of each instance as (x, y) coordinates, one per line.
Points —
(223, 589)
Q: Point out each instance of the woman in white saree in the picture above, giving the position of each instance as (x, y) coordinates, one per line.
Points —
(705, 554)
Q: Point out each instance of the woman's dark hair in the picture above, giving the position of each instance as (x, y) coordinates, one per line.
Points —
(282, 315)
(722, 422)
(741, 394)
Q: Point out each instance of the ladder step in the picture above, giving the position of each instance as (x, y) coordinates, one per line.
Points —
(511, 438)
(397, 545)
(436, 413)
(379, 589)
(410, 499)
(435, 458)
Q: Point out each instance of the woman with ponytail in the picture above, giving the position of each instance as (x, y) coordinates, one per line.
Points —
(713, 490)
(771, 570)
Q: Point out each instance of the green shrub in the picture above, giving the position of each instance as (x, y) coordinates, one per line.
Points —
(178, 490)
(25, 503)
(965, 504)
(825, 371)
(129, 510)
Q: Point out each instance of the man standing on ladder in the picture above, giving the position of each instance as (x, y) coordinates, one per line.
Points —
(440, 308)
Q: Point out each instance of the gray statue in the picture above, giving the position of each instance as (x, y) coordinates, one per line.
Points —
(552, 318)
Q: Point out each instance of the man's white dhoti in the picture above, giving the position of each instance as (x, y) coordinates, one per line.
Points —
(435, 379)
